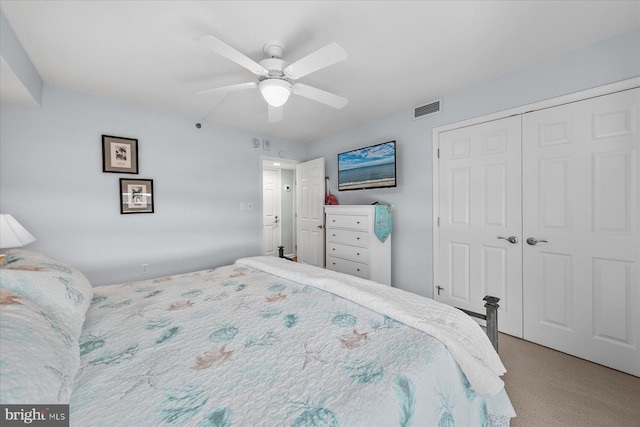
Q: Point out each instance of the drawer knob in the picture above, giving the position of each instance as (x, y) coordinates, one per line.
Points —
(357, 222)
(333, 235)
(357, 238)
(357, 269)
(357, 253)
(334, 263)
(333, 249)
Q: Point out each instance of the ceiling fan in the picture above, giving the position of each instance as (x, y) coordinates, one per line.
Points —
(275, 76)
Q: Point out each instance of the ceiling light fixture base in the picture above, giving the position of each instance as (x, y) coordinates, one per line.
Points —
(274, 49)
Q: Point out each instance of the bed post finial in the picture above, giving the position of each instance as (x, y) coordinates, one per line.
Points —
(492, 319)
(281, 253)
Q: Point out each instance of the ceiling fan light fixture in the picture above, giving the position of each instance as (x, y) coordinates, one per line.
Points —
(275, 91)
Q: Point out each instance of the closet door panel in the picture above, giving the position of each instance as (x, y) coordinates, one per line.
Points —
(479, 201)
(581, 287)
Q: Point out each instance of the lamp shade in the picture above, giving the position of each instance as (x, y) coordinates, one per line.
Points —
(275, 91)
(12, 234)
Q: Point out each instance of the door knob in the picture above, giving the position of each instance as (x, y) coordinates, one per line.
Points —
(533, 241)
(321, 226)
(510, 239)
(276, 220)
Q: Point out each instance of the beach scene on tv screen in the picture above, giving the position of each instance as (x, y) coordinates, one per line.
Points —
(368, 167)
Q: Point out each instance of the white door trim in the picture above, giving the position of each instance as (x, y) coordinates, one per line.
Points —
(548, 103)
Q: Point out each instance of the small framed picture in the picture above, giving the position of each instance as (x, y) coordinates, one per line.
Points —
(119, 155)
(136, 196)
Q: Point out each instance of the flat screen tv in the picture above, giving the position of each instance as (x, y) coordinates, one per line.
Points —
(368, 167)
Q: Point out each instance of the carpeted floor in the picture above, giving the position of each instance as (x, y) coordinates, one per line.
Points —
(549, 388)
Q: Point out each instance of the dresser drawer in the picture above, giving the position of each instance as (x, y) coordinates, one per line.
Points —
(348, 267)
(357, 222)
(349, 237)
(353, 253)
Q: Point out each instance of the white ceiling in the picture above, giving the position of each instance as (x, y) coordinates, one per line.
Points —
(401, 53)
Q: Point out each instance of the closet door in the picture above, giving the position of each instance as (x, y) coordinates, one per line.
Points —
(580, 203)
(479, 210)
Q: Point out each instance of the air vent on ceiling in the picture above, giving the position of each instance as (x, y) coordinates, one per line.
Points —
(427, 109)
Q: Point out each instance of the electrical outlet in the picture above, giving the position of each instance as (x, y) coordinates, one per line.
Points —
(144, 268)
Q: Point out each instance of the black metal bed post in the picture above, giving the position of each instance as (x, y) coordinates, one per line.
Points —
(281, 253)
(492, 319)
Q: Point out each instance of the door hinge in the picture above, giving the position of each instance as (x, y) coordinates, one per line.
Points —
(438, 221)
(438, 153)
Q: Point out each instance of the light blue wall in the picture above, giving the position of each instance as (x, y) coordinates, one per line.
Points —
(51, 181)
(609, 61)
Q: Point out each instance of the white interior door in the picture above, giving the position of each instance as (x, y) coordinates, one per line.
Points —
(310, 212)
(580, 186)
(271, 215)
(479, 202)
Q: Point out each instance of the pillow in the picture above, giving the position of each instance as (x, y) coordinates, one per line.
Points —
(38, 357)
(63, 291)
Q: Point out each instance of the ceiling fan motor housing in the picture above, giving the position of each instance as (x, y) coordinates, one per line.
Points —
(274, 66)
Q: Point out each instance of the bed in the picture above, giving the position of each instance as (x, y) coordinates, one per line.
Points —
(261, 342)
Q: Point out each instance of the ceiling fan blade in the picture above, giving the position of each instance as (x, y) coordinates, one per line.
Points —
(229, 89)
(275, 114)
(320, 95)
(221, 48)
(321, 58)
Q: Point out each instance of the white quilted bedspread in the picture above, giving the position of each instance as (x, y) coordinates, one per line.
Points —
(237, 346)
(466, 341)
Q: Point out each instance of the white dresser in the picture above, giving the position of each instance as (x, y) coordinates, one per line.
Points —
(353, 247)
